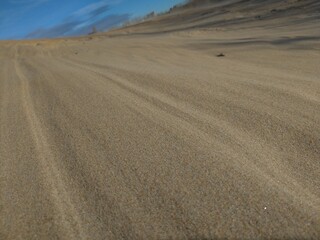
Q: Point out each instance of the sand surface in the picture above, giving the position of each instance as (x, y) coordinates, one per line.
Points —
(144, 133)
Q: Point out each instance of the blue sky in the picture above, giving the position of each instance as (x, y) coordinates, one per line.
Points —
(56, 18)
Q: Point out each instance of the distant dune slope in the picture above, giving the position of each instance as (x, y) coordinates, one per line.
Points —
(234, 14)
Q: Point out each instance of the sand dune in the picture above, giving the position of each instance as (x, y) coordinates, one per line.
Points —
(144, 133)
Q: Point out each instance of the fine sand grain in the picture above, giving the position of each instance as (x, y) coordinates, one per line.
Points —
(144, 133)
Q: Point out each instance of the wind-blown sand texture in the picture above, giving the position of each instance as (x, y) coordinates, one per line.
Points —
(144, 133)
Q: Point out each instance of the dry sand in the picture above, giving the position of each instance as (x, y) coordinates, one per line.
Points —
(143, 133)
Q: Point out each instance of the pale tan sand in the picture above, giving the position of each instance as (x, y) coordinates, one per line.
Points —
(149, 135)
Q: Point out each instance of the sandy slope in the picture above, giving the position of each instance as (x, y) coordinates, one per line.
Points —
(151, 136)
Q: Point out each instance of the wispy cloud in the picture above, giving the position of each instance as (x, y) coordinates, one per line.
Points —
(56, 31)
(82, 21)
(103, 24)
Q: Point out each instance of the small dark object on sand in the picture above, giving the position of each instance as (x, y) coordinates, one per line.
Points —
(76, 53)
(220, 55)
